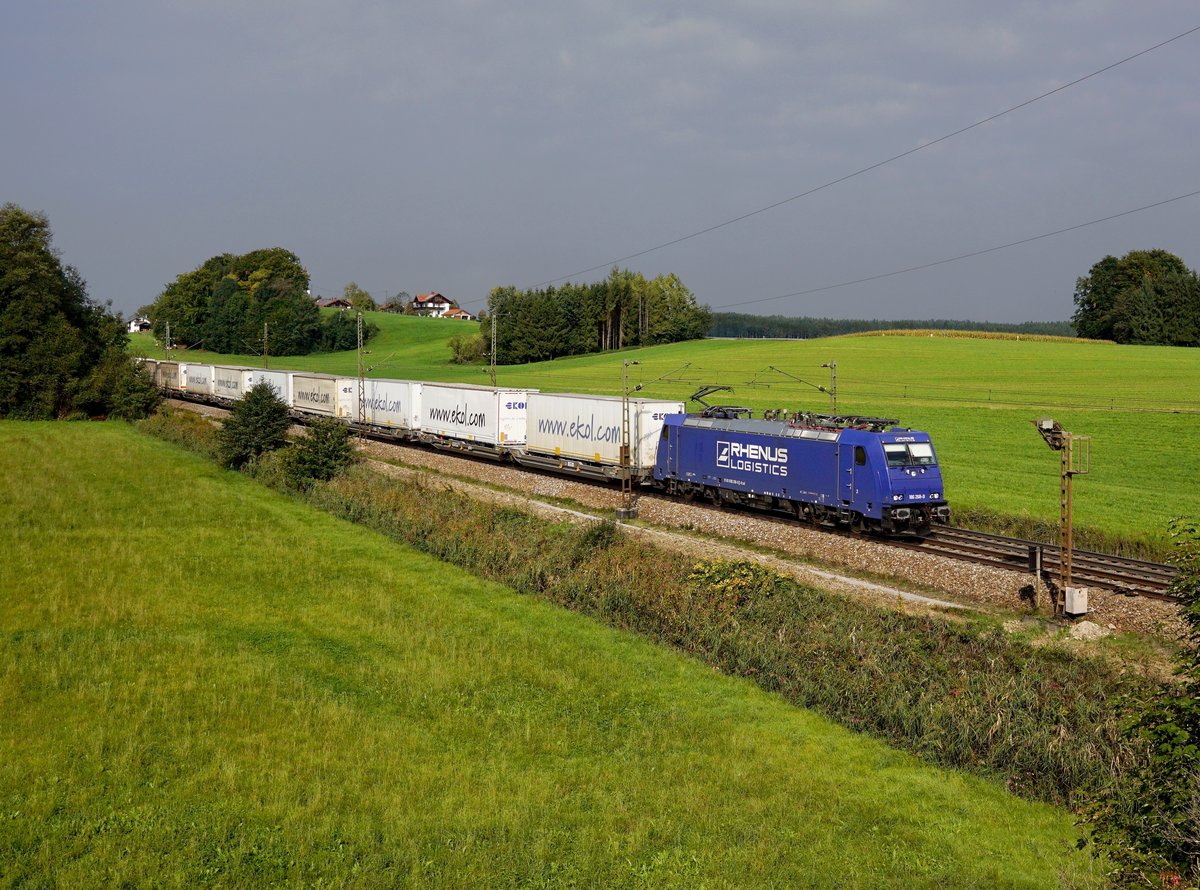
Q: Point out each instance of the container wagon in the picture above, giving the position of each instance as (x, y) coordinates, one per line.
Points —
(582, 434)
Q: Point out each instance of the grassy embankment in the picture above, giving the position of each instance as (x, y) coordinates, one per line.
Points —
(975, 396)
(204, 681)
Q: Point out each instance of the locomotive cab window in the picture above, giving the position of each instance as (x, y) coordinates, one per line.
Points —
(922, 453)
(917, 454)
(860, 456)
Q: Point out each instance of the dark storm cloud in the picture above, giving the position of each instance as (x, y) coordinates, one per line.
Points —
(462, 145)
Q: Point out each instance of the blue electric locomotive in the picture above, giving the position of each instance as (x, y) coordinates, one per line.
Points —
(864, 473)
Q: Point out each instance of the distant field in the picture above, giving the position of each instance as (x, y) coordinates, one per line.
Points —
(1141, 404)
(403, 346)
(206, 683)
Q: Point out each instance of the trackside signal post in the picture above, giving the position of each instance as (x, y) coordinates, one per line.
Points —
(1075, 456)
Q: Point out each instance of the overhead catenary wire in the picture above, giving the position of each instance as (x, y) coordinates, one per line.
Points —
(962, 256)
(875, 166)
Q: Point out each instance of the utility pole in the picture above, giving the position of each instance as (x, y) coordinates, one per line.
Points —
(167, 344)
(362, 379)
(832, 366)
(1075, 460)
(266, 349)
(492, 356)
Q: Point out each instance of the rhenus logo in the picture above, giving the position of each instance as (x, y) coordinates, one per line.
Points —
(752, 458)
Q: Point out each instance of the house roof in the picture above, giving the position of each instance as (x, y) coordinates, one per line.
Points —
(431, 297)
(459, 313)
(334, 303)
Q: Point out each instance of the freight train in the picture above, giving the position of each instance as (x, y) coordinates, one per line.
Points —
(862, 473)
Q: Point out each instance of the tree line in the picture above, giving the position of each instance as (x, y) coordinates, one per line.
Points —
(1145, 297)
(625, 309)
(741, 325)
(62, 354)
(254, 303)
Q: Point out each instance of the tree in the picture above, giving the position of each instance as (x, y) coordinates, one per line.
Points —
(340, 332)
(397, 303)
(1101, 294)
(258, 423)
(623, 310)
(61, 353)
(1149, 823)
(225, 303)
(1163, 310)
(359, 299)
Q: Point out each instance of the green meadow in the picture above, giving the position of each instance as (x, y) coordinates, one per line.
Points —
(977, 397)
(205, 682)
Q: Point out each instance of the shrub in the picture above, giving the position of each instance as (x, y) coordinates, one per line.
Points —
(319, 456)
(467, 349)
(1149, 824)
(258, 423)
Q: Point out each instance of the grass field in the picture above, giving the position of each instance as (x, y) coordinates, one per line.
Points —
(204, 682)
(1140, 404)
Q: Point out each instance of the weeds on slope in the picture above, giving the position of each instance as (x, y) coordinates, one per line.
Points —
(1045, 721)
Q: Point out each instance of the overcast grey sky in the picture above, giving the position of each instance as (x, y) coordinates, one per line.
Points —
(462, 144)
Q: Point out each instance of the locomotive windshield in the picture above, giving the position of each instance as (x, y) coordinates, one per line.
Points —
(913, 454)
(921, 452)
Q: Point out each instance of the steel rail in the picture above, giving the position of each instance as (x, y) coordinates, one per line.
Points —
(1131, 577)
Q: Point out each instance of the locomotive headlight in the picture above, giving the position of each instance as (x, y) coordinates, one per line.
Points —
(897, 497)
(935, 495)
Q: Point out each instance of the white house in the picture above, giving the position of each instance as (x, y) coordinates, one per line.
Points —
(432, 304)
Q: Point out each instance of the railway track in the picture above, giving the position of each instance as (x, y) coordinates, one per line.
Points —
(1132, 577)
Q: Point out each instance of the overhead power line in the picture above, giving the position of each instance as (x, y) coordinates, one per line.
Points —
(875, 166)
(961, 256)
